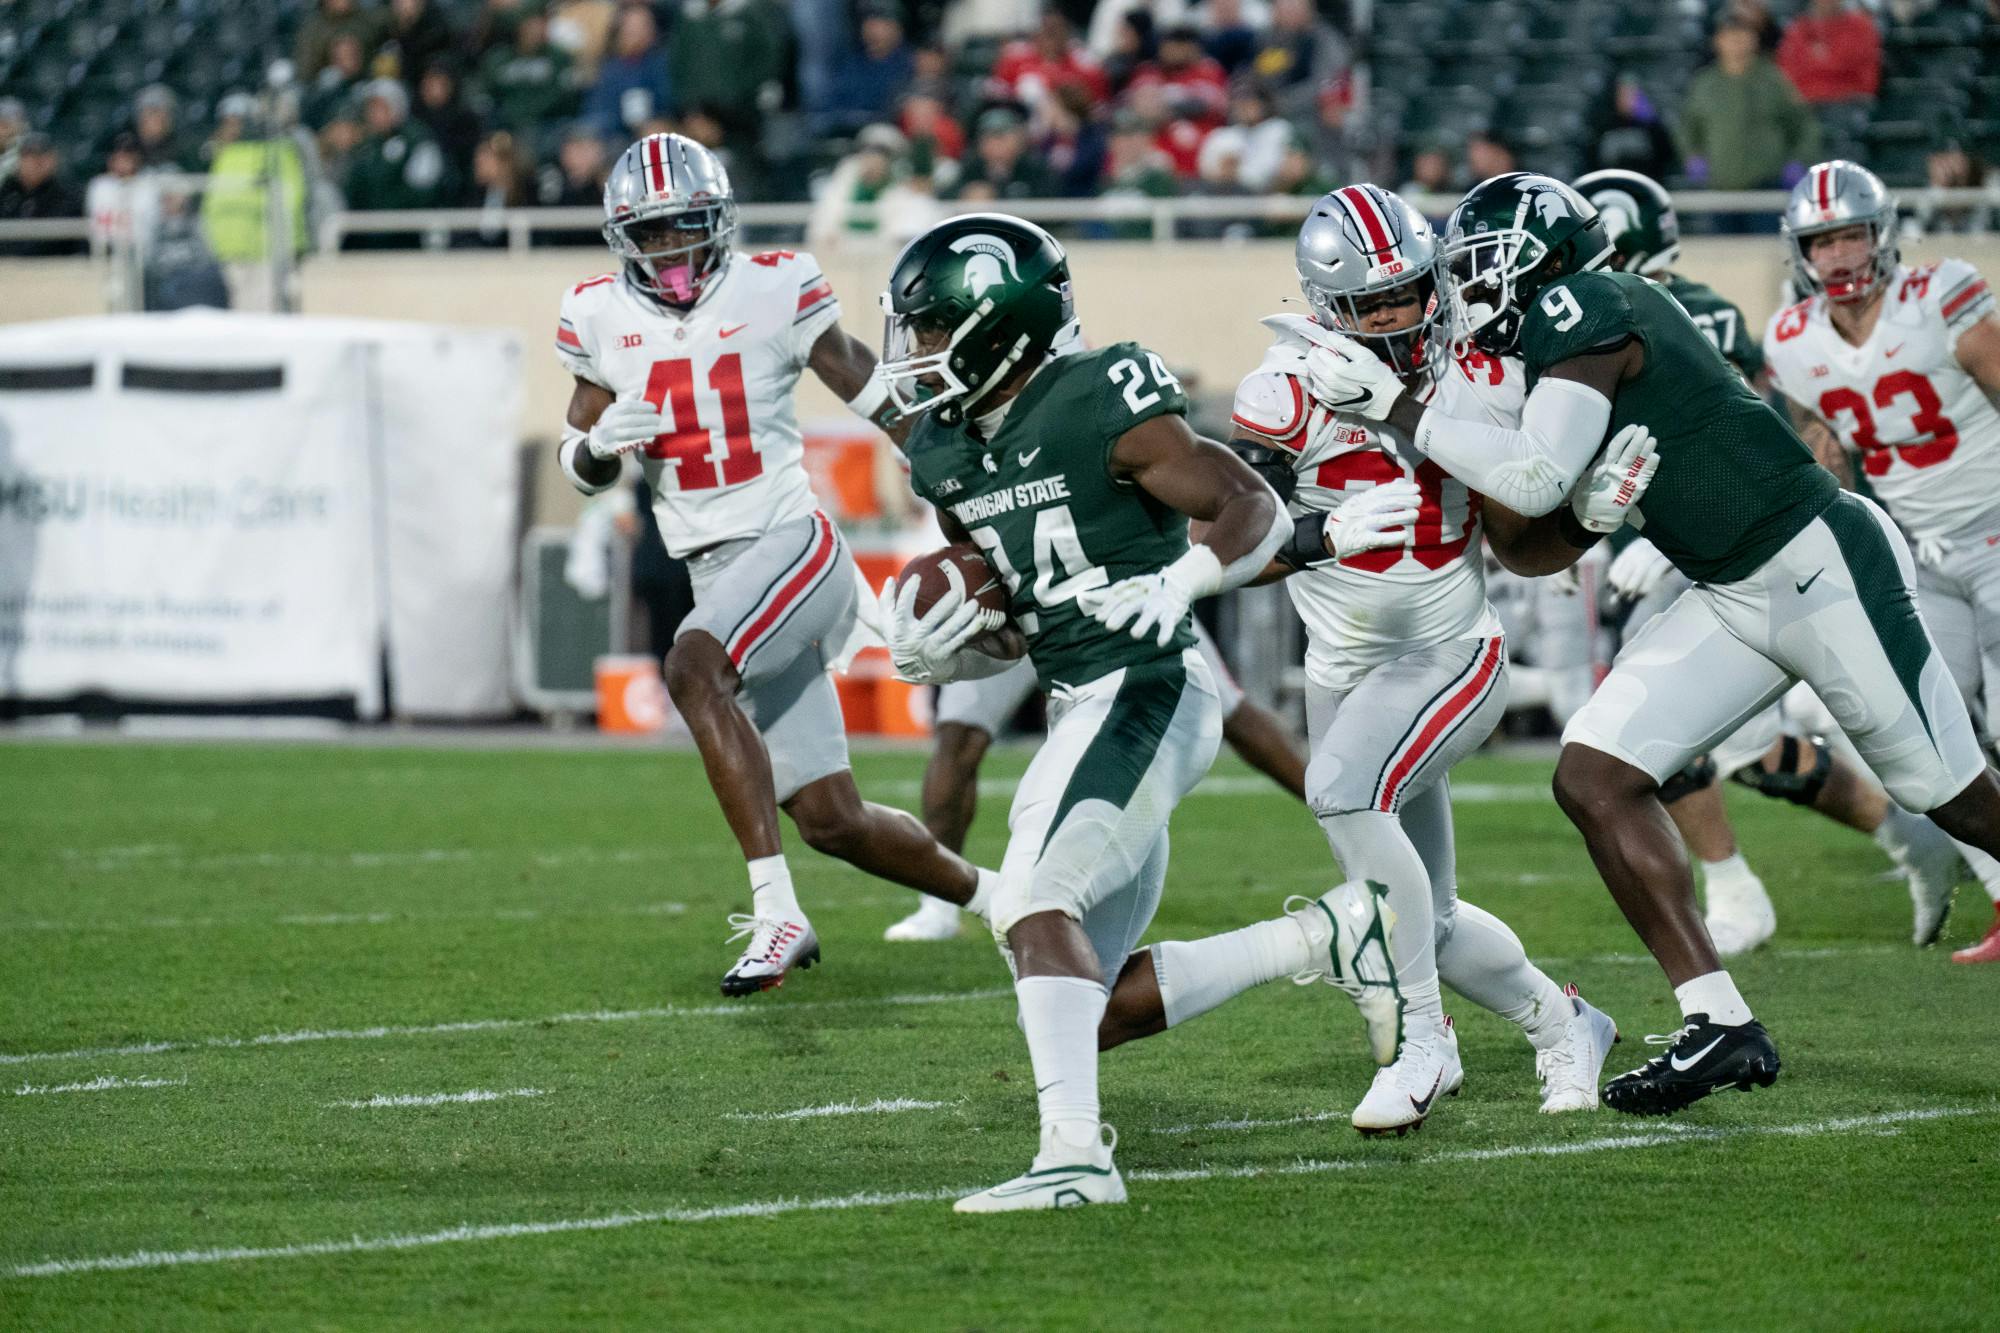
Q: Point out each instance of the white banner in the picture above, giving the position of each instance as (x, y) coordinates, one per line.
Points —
(217, 508)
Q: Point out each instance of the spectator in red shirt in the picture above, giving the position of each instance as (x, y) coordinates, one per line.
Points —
(1192, 82)
(1832, 53)
(1032, 68)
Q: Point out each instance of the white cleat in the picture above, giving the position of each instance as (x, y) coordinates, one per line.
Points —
(1569, 1069)
(1063, 1176)
(1930, 863)
(1740, 916)
(1347, 931)
(934, 919)
(775, 948)
(1404, 1093)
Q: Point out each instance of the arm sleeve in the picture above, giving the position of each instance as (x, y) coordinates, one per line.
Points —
(1532, 469)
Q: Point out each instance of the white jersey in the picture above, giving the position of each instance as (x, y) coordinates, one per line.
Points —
(731, 463)
(1375, 607)
(1928, 435)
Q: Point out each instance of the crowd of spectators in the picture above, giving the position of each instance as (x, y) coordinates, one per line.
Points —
(882, 111)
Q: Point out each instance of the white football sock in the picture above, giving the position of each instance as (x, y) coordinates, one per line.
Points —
(1984, 866)
(981, 904)
(1372, 845)
(1714, 994)
(1197, 975)
(1731, 871)
(771, 889)
(1482, 959)
(1060, 1017)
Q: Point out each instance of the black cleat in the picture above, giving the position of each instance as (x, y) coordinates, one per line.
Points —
(1701, 1058)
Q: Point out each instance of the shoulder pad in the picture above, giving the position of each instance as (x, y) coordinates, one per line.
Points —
(1272, 404)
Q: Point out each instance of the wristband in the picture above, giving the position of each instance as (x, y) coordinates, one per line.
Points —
(1574, 532)
(1306, 546)
(870, 400)
(570, 455)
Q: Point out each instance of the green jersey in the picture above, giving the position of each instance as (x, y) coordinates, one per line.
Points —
(1720, 322)
(1735, 483)
(1040, 500)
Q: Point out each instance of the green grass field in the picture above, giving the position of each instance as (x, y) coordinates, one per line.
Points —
(228, 945)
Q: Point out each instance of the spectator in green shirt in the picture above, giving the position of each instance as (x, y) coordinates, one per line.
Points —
(530, 80)
(729, 57)
(399, 164)
(1745, 126)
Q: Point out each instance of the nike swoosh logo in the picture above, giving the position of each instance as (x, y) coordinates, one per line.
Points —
(1424, 1107)
(738, 329)
(1809, 582)
(1682, 1066)
(1031, 455)
(1002, 1192)
(1355, 401)
(1046, 1086)
(1893, 350)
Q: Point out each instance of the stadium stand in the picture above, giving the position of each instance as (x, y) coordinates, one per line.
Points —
(786, 91)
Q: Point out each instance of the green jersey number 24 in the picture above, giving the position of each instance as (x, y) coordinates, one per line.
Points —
(1062, 568)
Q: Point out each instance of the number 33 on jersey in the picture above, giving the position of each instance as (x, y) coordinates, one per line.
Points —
(730, 463)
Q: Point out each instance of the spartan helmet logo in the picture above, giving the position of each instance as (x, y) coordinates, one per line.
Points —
(989, 262)
(1617, 210)
(1552, 206)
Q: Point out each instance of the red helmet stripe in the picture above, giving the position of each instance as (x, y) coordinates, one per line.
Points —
(659, 170)
(1370, 217)
(1823, 182)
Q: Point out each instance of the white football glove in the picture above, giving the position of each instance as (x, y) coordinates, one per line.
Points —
(626, 425)
(1374, 519)
(1611, 490)
(1932, 551)
(1153, 605)
(1638, 570)
(1347, 377)
(924, 648)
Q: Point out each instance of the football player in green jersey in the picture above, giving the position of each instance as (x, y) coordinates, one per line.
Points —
(1638, 215)
(1794, 580)
(1077, 475)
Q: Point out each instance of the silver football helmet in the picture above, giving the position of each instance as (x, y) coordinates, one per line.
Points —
(1833, 196)
(1361, 248)
(669, 215)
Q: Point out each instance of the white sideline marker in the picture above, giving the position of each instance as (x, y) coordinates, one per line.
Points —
(440, 1098)
(112, 1263)
(494, 1025)
(102, 1083)
(879, 1106)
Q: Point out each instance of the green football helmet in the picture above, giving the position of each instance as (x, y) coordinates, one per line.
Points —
(1638, 214)
(1507, 239)
(969, 301)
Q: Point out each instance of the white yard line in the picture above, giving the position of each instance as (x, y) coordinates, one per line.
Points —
(338, 918)
(440, 1098)
(734, 1010)
(102, 1083)
(776, 1207)
(876, 1107)
(1313, 1118)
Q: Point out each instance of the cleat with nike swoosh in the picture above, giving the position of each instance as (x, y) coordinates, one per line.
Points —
(1062, 1176)
(1701, 1058)
(1405, 1093)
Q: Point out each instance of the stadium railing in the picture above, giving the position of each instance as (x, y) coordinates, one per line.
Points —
(1162, 219)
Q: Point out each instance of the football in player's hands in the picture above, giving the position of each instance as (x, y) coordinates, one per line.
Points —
(982, 584)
